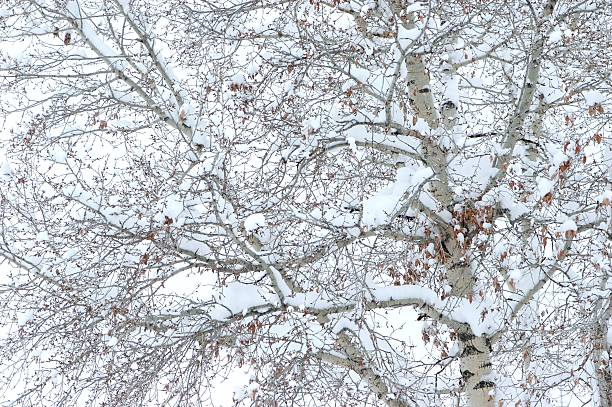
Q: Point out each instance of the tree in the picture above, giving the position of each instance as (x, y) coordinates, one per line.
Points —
(376, 202)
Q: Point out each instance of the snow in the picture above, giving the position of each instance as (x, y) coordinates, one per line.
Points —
(311, 125)
(173, 206)
(406, 291)
(255, 221)
(457, 309)
(428, 201)
(110, 341)
(238, 79)
(592, 97)
(5, 169)
(360, 74)
(451, 92)
(309, 300)
(551, 93)
(186, 113)
(379, 208)
(568, 225)
(142, 176)
(24, 317)
(42, 236)
(407, 37)
(477, 170)
(201, 138)
(58, 154)
(90, 34)
(558, 158)
(507, 200)
(416, 6)
(555, 36)
(345, 323)
(544, 186)
(369, 5)
(125, 5)
(237, 297)
(607, 194)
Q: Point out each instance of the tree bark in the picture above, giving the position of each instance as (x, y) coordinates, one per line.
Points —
(475, 367)
(601, 354)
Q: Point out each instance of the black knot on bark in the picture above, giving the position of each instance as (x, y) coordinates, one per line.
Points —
(484, 385)
(466, 336)
(449, 105)
(469, 351)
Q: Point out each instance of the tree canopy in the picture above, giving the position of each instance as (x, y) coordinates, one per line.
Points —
(357, 202)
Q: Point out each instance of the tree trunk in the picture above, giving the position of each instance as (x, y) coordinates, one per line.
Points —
(475, 354)
(601, 356)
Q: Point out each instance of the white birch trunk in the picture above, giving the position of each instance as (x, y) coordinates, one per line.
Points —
(475, 354)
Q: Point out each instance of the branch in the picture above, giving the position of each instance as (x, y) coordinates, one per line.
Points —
(356, 362)
(530, 84)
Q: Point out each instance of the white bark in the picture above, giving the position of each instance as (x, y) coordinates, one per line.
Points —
(602, 351)
(475, 354)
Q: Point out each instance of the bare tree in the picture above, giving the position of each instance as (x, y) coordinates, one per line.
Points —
(367, 202)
